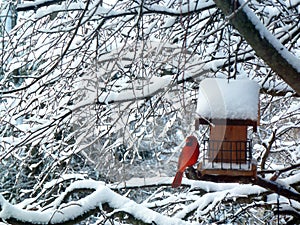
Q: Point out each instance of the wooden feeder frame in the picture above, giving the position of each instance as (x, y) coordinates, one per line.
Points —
(233, 155)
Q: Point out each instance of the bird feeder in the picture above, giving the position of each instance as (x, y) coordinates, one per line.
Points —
(229, 108)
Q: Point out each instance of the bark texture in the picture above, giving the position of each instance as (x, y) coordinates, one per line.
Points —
(263, 48)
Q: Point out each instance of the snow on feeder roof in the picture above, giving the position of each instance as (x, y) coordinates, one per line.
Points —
(235, 100)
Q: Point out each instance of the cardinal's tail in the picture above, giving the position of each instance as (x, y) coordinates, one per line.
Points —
(177, 179)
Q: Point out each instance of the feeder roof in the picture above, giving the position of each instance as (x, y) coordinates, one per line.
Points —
(220, 99)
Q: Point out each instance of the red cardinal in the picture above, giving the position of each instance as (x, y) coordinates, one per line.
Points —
(188, 157)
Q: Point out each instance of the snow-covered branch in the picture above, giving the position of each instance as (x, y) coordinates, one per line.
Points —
(60, 212)
(99, 197)
(36, 4)
(266, 45)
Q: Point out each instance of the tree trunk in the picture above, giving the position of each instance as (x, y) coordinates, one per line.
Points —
(261, 45)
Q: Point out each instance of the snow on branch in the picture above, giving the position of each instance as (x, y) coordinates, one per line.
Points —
(160, 181)
(144, 88)
(36, 4)
(214, 192)
(60, 212)
(266, 34)
(280, 186)
(185, 9)
(265, 44)
(155, 85)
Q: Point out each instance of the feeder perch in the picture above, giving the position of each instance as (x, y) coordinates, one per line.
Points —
(228, 107)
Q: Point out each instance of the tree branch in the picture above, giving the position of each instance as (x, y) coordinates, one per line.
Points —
(72, 212)
(262, 182)
(267, 150)
(295, 166)
(36, 4)
(277, 188)
(263, 42)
